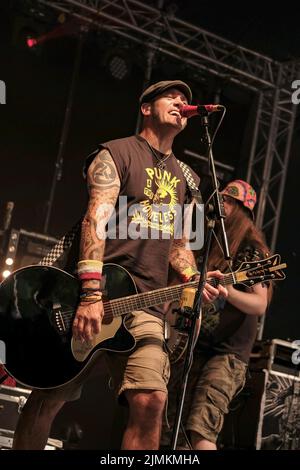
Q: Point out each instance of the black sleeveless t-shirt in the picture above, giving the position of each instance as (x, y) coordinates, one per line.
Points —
(148, 214)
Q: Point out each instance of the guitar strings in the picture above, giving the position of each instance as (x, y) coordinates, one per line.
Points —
(117, 307)
(137, 301)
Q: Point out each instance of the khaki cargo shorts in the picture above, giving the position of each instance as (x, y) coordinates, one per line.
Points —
(145, 367)
(212, 385)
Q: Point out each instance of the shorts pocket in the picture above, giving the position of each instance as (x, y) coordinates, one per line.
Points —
(238, 370)
(166, 370)
(218, 398)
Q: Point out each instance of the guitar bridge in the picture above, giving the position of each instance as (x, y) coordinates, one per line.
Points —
(58, 318)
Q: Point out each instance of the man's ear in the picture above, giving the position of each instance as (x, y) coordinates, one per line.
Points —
(146, 109)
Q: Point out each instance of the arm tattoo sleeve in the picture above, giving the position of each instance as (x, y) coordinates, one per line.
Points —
(180, 257)
(104, 186)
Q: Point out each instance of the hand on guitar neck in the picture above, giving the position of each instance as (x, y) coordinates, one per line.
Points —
(211, 293)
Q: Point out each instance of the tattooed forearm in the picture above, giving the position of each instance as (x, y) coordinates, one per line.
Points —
(90, 246)
(103, 190)
(180, 257)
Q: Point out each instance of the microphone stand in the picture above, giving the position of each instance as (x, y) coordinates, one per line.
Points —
(215, 212)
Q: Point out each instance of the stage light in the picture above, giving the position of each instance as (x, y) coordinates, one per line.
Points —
(9, 261)
(61, 18)
(6, 273)
(31, 42)
(12, 245)
(118, 67)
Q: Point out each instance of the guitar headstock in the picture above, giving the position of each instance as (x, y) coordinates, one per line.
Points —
(253, 272)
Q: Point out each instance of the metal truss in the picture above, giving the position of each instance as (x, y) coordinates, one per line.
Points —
(205, 51)
(144, 24)
(268, 162)
(269, 155)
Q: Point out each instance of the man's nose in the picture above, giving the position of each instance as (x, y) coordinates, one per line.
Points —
(178, 102)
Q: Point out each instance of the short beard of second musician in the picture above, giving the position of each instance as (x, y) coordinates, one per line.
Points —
(104, 186)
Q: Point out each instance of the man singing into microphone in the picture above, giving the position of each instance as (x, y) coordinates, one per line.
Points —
(144, 169)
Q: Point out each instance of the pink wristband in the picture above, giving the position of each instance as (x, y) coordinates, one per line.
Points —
(90, 276)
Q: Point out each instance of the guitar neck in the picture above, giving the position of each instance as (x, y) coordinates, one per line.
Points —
(128, 304)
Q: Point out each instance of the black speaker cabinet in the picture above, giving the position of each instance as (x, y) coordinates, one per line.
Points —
(279, 424)
(12, 400)
(265, 415)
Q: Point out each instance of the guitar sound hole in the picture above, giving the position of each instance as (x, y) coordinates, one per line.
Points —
(41, 301)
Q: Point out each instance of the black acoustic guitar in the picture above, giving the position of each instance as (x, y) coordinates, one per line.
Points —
(38, 304)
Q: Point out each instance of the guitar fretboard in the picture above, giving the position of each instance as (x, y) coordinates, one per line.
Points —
(159, 296)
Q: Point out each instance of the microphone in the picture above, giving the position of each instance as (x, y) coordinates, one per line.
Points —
(202, 109)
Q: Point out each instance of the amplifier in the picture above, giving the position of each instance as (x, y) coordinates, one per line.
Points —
(7, 436)
(276, 355)
(12, 400)
(265, 415)
(279, 423)
(25, 248)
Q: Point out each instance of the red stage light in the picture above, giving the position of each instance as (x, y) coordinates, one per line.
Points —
(31, 42)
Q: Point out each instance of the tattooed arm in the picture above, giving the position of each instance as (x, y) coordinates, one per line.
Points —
(104, 187)
(182, 258)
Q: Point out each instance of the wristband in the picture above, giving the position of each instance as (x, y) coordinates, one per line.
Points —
(188, 273)
(93, 276)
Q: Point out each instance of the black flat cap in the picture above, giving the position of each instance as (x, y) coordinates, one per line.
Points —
(157, 88)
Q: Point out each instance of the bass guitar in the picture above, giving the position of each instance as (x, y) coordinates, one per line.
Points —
(38, 304)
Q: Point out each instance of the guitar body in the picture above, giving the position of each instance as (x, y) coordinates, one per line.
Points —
(179, 335)
(37, 307)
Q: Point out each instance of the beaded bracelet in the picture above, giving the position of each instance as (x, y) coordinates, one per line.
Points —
(90, 295)
(90, 289)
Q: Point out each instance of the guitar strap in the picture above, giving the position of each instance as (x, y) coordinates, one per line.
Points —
(66, 241)
(61, 246)
(194, 190)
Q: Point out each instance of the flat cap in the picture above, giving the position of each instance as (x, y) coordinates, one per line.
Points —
(157, 88)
